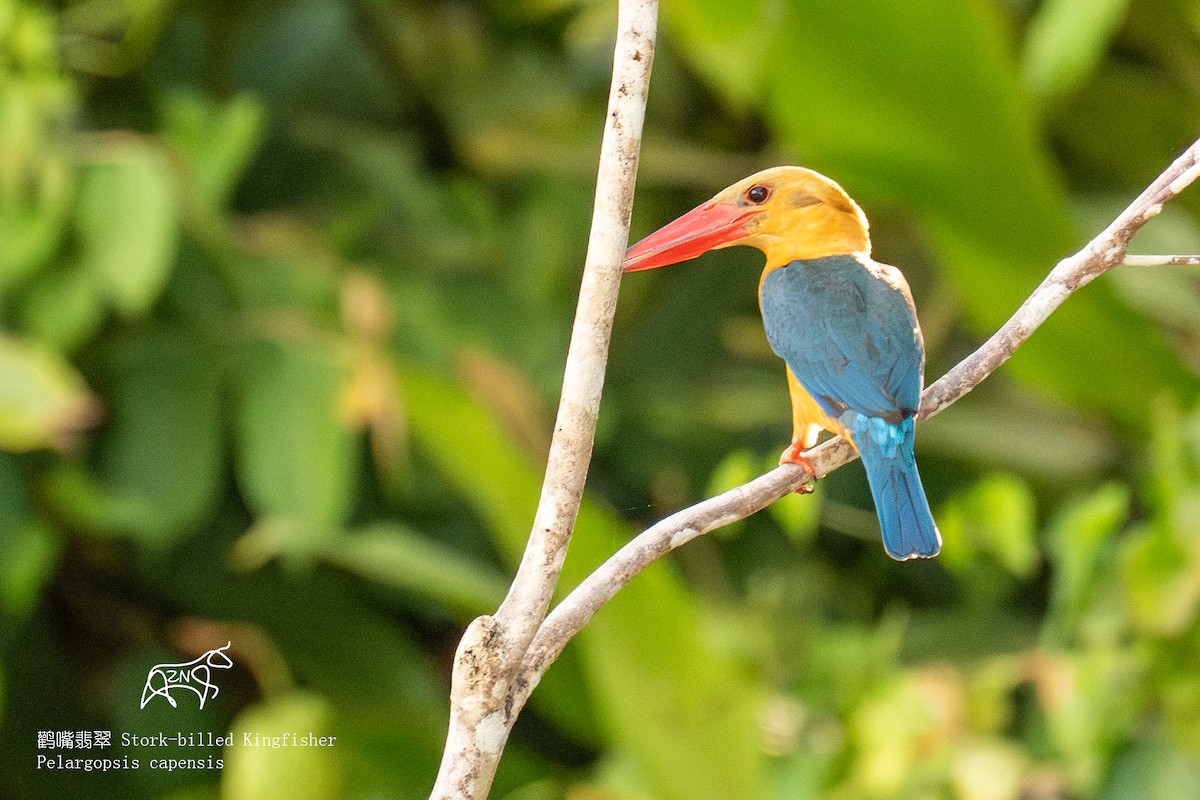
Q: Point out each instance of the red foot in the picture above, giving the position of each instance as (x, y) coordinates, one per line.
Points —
(792, 455)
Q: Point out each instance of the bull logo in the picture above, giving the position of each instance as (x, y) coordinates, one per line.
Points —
(195, 676)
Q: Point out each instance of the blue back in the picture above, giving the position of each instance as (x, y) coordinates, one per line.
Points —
(850, 337)
(849, 333)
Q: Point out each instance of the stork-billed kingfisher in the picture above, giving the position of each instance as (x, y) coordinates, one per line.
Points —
(845, 326)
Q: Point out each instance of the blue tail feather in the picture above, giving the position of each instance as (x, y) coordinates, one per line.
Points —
(904, 516)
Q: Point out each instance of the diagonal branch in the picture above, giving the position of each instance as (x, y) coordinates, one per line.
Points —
(1101, 254)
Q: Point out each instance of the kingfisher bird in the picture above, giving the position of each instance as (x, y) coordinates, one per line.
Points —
(844, 325)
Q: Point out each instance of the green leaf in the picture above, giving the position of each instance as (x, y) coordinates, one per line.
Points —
(43, 400)
(895, 727)
(28, 547)
(35, 181)
(723, 40)
(267, 771)
(1160, 571)
(217, 141)
(1080, 542)
(1066, 40)
(674, 703)
(63, 307)
(28, 554)
(1007, 429)
(1172, 475)
(393, 554)
(159, 460)
(798, 514)
(295, 457)
(14, 498)
(1147, 120)
(162, 448)
(1181, 705)
(127, 223)
(996, 517)
(1152, 771)
(1090, 709)
(1160, 562)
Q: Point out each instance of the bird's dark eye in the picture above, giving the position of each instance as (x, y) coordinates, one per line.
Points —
(758, 194)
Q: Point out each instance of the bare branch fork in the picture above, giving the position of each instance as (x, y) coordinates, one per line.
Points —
(484, 686)
(502, 657)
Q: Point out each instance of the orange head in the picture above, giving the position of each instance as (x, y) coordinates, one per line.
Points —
(787, 212)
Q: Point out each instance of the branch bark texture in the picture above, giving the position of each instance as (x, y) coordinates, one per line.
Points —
(483, 705)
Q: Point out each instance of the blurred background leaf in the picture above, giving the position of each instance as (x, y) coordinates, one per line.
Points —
(1065, 42)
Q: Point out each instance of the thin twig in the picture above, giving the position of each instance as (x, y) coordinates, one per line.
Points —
(492, 649)
(1160, 261)
(1101, 254)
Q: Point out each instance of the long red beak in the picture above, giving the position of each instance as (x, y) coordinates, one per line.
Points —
(698, 231)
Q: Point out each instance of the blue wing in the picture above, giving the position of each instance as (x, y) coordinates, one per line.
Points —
(849, 332)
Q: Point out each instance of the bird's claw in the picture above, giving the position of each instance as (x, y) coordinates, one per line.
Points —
(792, 455)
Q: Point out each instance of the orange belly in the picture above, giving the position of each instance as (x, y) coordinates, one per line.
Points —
(808, 420)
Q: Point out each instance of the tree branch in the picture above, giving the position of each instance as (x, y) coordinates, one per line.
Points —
(482, 707)
(1101, 254)
(1160, 261)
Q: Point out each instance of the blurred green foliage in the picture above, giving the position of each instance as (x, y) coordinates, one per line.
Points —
(285, 291)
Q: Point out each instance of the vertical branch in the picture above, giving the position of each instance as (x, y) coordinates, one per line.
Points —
(483, 703)
(574, 430)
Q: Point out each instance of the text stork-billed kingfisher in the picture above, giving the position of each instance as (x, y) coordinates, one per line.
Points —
(844, 324)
